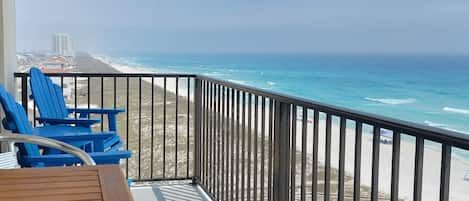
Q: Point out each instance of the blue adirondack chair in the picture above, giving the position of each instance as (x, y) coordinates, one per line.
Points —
(53, 110)
(31, 156)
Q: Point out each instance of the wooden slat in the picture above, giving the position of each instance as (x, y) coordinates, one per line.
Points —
(68, 197)
(47, 192)
(113, 186)
(10, 181)
(64, 184)
(37, 186)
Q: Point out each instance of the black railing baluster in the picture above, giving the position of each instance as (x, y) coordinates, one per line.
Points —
(237, 142)
(188, 124)
(139, 125)
(256, 130)
(102, 103)
(341, 191)
(127, 126)
(304, 134)
(88, 91)
(164, 127)
(249, 146)
(327, 167)
(232, 133)
(375, 163)
(396, 150)
(115, 92)
(34, 113)
(206, 142)
(217, 142)
(418, 168)
(445, 171)
(269, 171)
(24, 94)
(357, 159)
(213, 140)
(227, 142)
(152, 124)
(293, 154)
(262, 181)
(222, 144)
(243, 145)
(176, 128)
(198, 136)
(62, 82)
(314, 190)
(75, 94)
(210, 136)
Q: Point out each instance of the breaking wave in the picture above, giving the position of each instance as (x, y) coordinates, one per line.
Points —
(391, 101)
(443, 126)
(455, 110)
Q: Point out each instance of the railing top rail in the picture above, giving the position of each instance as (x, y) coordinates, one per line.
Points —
(78, 74)
(431, 133)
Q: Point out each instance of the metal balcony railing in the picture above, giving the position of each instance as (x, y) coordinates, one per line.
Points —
(244, 143)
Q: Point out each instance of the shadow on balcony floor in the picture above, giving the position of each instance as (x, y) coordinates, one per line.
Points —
(168, 192)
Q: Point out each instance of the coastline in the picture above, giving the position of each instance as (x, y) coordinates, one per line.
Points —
(432, 157)
(170, 86)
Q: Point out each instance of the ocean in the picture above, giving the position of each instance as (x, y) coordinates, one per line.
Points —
(432, 90)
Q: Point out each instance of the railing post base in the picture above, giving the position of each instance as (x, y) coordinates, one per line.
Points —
(195, 181)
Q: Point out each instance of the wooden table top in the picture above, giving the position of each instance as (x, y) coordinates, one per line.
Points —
(105, 183)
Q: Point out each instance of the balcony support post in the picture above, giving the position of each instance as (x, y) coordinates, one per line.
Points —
(7, 51)
(8, 44)
(197, 130)
(281, 151)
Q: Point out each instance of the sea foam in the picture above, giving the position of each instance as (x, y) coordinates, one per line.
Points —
(456, 110)
(391, 101)
(238, 81)
(443, 126)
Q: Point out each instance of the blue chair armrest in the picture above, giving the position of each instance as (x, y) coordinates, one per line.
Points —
(111, 114)
(81, 136)
(78, 121)
(98, 140)
(61, 159)
(95, 110)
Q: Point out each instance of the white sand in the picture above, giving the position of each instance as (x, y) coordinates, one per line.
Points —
(459, 188)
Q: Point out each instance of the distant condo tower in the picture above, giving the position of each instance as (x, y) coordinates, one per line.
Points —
(62, 44)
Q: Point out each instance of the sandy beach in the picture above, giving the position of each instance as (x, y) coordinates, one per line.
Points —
(432, 157)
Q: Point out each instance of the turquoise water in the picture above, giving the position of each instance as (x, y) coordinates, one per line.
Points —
(430, 90)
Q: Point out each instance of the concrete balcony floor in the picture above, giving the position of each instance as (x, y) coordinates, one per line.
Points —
(168, 191)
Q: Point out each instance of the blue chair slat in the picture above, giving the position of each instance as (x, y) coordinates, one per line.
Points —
(30, 155)
(48, 99)
(57, 91)
(53, 111)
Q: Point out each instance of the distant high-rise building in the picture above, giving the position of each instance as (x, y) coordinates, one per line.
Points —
(62, 44)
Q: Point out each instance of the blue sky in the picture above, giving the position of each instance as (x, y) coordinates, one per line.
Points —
(246, 26)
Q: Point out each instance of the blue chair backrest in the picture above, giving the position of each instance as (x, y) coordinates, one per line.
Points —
(17, 121)
(47, 95)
